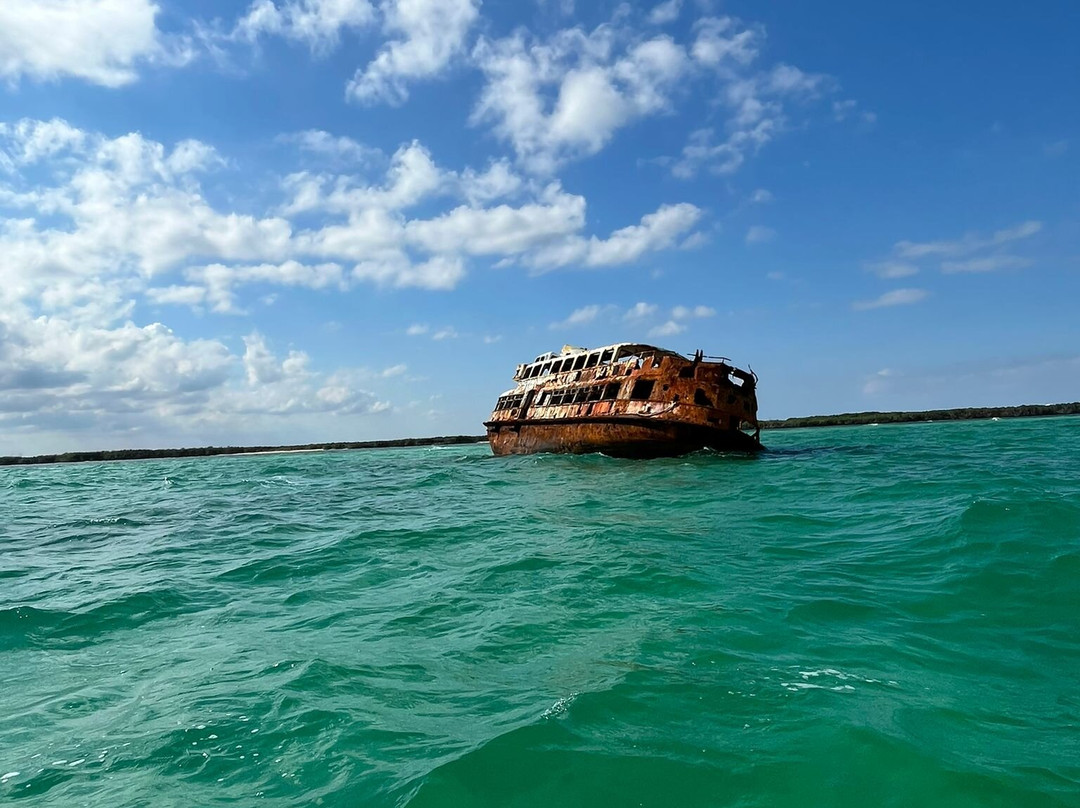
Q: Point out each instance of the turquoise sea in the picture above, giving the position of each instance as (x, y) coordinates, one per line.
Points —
(863, 616)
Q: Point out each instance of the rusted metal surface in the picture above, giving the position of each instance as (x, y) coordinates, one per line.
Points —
(625, 400)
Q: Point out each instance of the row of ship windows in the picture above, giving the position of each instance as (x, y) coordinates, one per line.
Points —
(579, 362)
(509, 402)
(579, 395)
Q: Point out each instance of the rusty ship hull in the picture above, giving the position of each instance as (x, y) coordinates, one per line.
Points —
(629, 436)
(625, 400)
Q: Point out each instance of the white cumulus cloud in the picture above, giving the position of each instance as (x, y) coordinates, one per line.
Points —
(99, 41)
(757, 100)
(316, 23)
(424, 37)
(566, 97)
(97, 230)
(657, 231)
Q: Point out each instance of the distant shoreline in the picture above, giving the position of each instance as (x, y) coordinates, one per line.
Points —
(215, 451)
(844, 419)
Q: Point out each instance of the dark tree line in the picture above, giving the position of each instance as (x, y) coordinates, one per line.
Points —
(207, 451)
(962, 414)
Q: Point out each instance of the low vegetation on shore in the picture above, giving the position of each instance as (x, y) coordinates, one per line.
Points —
(206, 451)
(962, 414)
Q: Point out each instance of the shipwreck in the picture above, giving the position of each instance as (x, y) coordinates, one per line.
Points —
(626, 400)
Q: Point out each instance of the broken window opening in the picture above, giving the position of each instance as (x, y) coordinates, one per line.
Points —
(701, 399)
(642, 390)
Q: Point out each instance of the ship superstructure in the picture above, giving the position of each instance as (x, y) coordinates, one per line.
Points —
(626, 400)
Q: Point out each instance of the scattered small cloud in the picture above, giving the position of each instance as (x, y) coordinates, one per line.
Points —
(687, 312)
(892, 269)
(337, 147)
(991, 263)
(665, 13)
(877, 382)
(395, 370)
(668, 329)
(491, 339)
(445, 333)
(1056, 149)
(972, 253)
(848, 108)
(416, 329)
(694, 241)
(968, 244)
(640, 311)
(776, 276)
(582, 316)
(761, 196)
(759, 234)
(841, 109)
(1040, 378)
(897, 297)
(638, 315)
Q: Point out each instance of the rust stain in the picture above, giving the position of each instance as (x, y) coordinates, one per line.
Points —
(626, 400)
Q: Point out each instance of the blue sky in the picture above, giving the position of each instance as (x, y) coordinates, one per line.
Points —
(307, 220)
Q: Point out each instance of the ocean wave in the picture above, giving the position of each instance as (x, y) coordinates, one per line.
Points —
(30, 626)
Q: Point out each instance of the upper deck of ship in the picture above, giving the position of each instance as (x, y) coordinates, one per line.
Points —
(571, 358)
